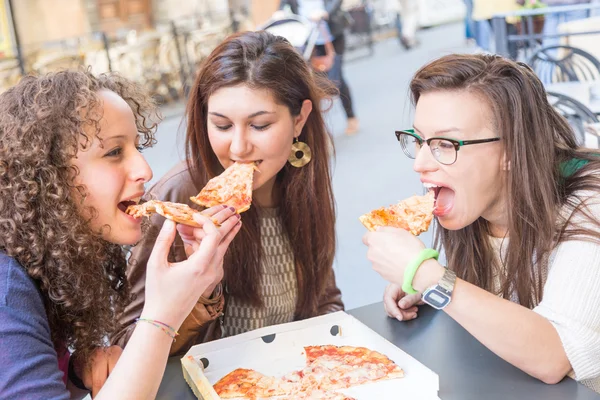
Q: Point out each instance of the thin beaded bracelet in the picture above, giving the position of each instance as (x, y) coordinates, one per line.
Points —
(172, 332)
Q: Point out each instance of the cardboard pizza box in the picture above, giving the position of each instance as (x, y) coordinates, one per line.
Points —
(278, 350)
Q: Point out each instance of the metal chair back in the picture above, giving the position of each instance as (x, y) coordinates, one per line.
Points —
(564, 64)
(577, 114)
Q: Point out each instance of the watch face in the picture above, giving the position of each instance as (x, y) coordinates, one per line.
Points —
(436, 298)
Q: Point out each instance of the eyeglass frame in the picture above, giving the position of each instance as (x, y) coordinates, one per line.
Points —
(455, 142)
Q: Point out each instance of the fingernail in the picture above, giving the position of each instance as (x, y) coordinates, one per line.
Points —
(232, 209)
(239, 223)
(238, 216)
(401, 304)
(399, 317)
(225, 206)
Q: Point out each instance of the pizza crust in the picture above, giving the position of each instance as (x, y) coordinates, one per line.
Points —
(180, 213)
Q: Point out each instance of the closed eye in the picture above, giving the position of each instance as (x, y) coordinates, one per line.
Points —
(261, 127)
(223, 127)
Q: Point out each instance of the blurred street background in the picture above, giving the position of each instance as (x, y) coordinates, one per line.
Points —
(161, 43)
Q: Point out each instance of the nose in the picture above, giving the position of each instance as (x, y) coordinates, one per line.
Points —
(424, 161)
(140, 170)
(241, 144)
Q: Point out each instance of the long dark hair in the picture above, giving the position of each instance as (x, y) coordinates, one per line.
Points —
(537, 141)
(261, 60)
(80, 275)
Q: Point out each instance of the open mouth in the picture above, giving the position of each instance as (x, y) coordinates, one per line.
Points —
(126, 203)
(444, 198)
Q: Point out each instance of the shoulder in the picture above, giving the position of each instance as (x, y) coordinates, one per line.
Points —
(175, 186)
(17, 289)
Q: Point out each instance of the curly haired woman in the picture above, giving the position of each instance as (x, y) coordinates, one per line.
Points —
(69, 166)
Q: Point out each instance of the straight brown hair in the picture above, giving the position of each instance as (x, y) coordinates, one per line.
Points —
(537, 141)
(261, 60)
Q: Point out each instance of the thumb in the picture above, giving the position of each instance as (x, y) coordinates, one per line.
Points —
(163, 243)
(409, 300)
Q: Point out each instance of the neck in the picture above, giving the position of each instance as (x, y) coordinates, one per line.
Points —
(264, 196)
(497, 218)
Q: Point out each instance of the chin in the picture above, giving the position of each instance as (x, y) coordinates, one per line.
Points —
(125, 238)
(451, 224)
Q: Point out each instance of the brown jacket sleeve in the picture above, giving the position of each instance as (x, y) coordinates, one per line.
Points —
(176, 186)
(331, 299)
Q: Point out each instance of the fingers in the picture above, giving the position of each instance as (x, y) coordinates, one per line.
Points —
(209, 212)
(366, 237)
(163, 243)
(226, 241)
(409, 301)
(391, 295)
(398, 305)
(221, 216)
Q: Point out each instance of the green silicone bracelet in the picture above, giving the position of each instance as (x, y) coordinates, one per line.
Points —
(413, 266)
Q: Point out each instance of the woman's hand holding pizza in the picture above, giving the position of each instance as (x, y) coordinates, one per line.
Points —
(227, 220)
(390, 251)
(172, 289)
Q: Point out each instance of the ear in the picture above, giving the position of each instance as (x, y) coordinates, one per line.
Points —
(300, 120)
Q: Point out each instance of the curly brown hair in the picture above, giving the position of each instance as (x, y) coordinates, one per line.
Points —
(80, 275)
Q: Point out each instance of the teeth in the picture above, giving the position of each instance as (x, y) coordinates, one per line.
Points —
(428, 185)
(136, 200)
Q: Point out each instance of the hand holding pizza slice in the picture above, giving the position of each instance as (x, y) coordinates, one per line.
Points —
(413, 214)
(233, 188)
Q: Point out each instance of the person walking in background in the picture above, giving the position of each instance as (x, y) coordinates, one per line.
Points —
(331, 11)
(408, 23)
(469, 23)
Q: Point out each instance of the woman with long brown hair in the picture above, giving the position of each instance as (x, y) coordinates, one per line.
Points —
(255, 100)
(70, 165)
(517, 207)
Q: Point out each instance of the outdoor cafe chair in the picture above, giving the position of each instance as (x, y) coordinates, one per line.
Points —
(564, 64)
(578, 115)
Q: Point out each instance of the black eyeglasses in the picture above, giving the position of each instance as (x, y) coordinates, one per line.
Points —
(444, 150)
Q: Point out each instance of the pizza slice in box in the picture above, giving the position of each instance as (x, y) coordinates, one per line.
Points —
(250, 384)
(413, 214)
(233, 188)
(180, 213)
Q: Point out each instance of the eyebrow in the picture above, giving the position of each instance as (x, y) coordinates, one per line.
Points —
(441, 131)
(256, 114)
(112, 138)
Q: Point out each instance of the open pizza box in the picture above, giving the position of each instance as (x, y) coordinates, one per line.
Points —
(278, 350)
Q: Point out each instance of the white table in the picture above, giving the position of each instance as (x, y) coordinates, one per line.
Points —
(580, 91)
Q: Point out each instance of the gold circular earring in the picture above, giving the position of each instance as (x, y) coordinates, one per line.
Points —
(300, 154)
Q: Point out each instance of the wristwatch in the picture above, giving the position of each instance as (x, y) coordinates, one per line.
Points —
(439, 296)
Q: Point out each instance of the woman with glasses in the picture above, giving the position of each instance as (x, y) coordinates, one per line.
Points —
(517, 207)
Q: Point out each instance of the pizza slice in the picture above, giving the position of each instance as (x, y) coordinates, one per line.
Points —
(180, 213)
(330, 368)
(233, 188)
(413, 214)
(250, 384)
